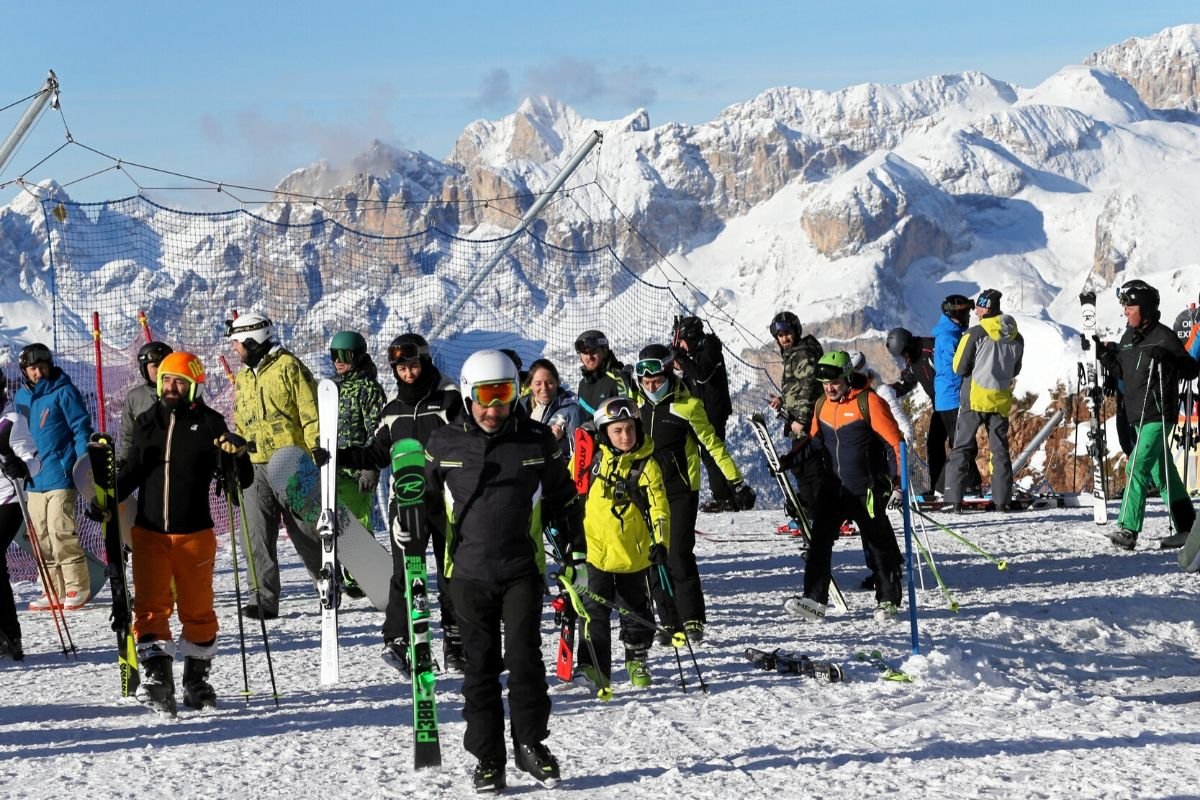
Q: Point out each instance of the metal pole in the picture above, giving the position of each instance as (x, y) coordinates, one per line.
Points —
(510, 240)
(908, 550)
(1036, 442)
(47, 94)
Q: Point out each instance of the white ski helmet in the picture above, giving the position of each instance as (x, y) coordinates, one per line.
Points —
(858, 362)
(250, 328)
(489, 377)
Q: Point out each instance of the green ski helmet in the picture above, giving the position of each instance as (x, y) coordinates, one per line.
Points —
(347, 347)
(834, 365)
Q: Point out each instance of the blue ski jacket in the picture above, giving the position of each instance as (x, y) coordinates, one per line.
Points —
(60, 425)
(946, 384)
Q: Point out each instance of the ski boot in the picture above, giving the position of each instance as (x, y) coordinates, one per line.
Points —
(157, 687)
(11, 647)
(489, 776)
(694, 628)
(538, 761)
(198, 693)
(395, 655)
(351, 587)
(452, 649)
(886, 611)
(1124, 539)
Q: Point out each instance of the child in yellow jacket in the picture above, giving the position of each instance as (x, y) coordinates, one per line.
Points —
(626, 519)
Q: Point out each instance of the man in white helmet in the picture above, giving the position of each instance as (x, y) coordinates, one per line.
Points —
(502, 478)
(276, 407)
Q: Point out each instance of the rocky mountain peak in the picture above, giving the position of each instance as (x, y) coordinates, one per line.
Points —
(1164, 68)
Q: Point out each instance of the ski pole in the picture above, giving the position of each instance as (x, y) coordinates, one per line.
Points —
(1000, 563)
(230, 474)
(908, 537)
(664, 578)
(262, 623)
(1131, 465)
(1167, 466)
(912, 498)
(678, 660)
(924, 551)
(56, 610)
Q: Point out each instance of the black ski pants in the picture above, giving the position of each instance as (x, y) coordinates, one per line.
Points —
(628, 589)
(684, 572)
(869, 514)
(487, 612)
(937, 440)
(10, 523)
(395, 619)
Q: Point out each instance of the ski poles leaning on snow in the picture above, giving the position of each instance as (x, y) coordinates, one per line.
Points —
(999, 562)
(668, 592)
(48, 583)
(924, 551)
(231, 475)
(908, 556)
(1166, 465)
(231, 480)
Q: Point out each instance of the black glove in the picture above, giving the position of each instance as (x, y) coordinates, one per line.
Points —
(231, 443)
(368, 479)
(743, 496)
(96, 512)
(320, 456)
(15, 468)
(658, 553)
(1111, 386)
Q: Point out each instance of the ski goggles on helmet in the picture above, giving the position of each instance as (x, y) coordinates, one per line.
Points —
(409, 351)
(780, 326)
(651, 366)
(827, 373)
(494, 394)
(342, 356)
(590, 344)
(617, 409)
(232, 326)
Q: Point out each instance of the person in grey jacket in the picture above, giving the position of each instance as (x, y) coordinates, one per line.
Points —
(142, 397)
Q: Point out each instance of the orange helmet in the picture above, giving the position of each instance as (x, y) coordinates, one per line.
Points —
(183, 365)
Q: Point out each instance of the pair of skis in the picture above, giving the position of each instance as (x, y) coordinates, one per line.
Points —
(791, 501)
(1097, 447)
(408, 492)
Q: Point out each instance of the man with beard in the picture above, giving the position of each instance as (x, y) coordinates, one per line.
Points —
(173, 455)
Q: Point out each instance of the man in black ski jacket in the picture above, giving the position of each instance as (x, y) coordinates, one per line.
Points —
(502, 480)
(701, 360)
(916, 353)
(603, 375)
(1150, 361)
(173, 455)
(425, 401)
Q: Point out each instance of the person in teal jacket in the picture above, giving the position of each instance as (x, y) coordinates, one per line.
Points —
(61, 428)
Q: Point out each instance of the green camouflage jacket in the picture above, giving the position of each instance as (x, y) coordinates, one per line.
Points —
(800, 387)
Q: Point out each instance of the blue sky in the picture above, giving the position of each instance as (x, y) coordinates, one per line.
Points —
(246, 92)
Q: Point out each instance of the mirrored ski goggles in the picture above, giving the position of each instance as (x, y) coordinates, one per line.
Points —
(342, 356)
(620, 409)
(651, 366)
(232, 326)
(826, 373)
(780, 326)
(494, 394)
(409, 351)
(590, 344)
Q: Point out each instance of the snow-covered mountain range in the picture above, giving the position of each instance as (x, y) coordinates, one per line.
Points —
(859, 209)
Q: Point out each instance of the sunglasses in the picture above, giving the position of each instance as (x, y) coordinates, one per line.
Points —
(651, 366)
(590, 344)
(781, 327)
(494, 394)
(409, 351)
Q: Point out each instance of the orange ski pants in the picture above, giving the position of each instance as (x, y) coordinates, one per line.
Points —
(188, 559)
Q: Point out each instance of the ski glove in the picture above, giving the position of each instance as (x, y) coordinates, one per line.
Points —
(400, 535)
(368, 479)
(320, 456)
(14, 468)
(658, 554)
(575, 572)
(895, 499)
(743, 496)
(231, 443)
(96, 512)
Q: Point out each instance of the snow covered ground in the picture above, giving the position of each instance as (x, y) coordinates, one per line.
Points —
(1074, 673)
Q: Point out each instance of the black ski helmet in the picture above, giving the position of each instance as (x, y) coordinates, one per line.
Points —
(151, 353)
(899, 340)
(409, 347)
(690, 330)
(1141, 294)
(36, 353)
(786, 321)
(958, 308)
